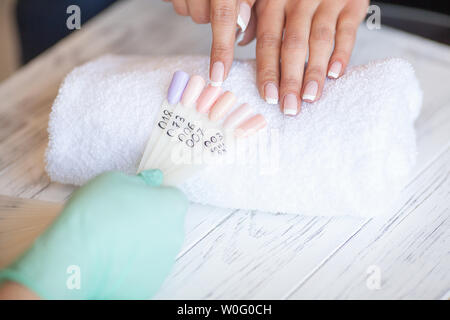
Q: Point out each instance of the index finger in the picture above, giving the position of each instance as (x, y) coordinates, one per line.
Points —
(223, 23)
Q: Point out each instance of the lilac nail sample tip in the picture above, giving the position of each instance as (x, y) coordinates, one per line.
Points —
(177, 85)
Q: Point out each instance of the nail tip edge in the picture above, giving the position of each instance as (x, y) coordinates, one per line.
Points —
(333, 75)
(241, 24)
(271, 101)
(289, 112)
(308, 97)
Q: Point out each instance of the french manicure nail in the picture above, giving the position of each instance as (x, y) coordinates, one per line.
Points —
(237, 116)
(222, 105)
(335, 70)
(250, 126)
(310, 91)
(271, 93)
(239, 36)
(176, 87)
(290, 105)
(217, 73)
(244, 16)
(207, 98)
(193, 89)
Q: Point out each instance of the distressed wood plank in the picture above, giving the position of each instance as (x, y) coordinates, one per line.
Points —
(411, 248)
(21, 221)
(255, 255)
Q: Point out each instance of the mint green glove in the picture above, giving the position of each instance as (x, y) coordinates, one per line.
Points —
(117, 238)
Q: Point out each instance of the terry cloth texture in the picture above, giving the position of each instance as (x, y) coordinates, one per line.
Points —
(349, 153)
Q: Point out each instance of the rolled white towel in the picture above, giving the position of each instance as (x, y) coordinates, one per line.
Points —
(349, 153)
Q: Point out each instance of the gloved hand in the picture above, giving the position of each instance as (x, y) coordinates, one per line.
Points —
(117, 238)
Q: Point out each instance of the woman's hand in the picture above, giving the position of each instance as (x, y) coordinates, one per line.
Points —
(327, 28)
(224, 16)
(324, 29)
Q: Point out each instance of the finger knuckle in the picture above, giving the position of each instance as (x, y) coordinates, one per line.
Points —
(200, 19)
(315, 72)
(342, 53)
(268, 40)
(181, 11)
(223, 14)
(268, 73)
(294, 40)
(322, 33)
(290, 83)
(347, 29)
(222, 49)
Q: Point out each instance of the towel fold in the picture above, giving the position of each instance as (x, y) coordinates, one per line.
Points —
(349, 153)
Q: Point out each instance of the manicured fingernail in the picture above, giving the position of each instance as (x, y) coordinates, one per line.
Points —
(335, 70)
(271, 93)
(250, 126)
(207, 98)
(310, 91)
(193, 89)
(239, 36)
(244, 15)
(290, 104)
(237, 116)
(217, 73)
(222, 105)
(176, 87)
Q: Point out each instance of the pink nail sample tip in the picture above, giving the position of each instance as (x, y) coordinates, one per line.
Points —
(207, 98)
(235, 118)
(251, 126)
(193, 90)
(224, 103)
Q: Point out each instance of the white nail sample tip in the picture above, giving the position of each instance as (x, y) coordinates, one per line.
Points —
(271, 101)
(333, 75)
(309, 97)
(216, 84)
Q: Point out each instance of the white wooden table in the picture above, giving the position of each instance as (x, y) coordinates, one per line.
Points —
(234, 254)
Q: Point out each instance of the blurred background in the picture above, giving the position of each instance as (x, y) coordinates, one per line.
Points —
(29, 27)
